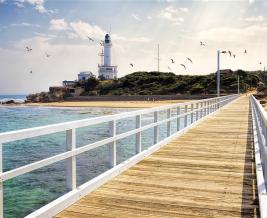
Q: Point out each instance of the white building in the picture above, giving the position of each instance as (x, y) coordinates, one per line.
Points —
(106, 70)
(82, 76)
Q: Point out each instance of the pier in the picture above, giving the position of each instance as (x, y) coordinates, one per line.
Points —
(213, 165)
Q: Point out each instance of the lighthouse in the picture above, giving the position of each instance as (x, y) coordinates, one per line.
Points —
(105, 69)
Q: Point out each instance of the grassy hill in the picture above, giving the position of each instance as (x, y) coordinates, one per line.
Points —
(160, 83)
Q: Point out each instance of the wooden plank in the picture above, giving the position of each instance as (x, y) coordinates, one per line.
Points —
(207, 172)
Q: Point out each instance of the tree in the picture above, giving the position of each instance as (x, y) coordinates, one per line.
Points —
(91, 83)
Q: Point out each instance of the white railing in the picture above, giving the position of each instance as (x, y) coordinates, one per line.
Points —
(259, 117)
(190, 112)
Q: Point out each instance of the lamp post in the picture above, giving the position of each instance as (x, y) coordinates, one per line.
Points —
(218, 73)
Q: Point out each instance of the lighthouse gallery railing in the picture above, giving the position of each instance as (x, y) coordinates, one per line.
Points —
(191, 113)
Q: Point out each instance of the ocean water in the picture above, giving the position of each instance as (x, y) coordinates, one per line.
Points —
(30, 191)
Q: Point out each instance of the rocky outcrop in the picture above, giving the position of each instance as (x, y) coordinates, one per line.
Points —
(55, 94)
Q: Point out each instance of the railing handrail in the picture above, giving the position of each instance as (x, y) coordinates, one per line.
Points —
(201, 108)
(259, 118)
(60, 127)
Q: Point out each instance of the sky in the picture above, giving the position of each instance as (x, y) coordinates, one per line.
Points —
(60, 28)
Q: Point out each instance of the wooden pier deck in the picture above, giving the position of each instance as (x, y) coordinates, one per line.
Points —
(206, 172)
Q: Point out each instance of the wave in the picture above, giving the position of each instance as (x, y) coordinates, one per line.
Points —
(15, 98)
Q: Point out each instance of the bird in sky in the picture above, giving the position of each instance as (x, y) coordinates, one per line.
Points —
(172, 61)
(234, 55)
(245, 51)
(90, 39)
(224, 52)
(189, 60)
(28, 49)
(47, 55)
(260, 63)
(131, 64)
(230, 53)
(31, 72)
(183, 66)
(202, 43)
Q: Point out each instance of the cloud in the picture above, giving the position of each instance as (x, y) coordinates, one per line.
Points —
(184, 9)
(251, 1)
(82, 29)
(24, 24)
(37, 4)
(255, 19)
(136, 17)
(171, 14)
(250, 34)
(58, 24)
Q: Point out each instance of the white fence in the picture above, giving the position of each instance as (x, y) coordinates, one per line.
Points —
(259, 116)
(191, 113)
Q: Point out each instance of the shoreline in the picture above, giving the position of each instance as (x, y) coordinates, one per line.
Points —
(105, 104)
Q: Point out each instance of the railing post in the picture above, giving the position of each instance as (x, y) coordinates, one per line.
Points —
(178, 119)
(112, 146)
(168, 123)
(201, 111)
(71, 162)
(197, 112)
(138, 146)
(185, 117)
(205, 108)
(156, 128)
(192, 113)
(1, 184)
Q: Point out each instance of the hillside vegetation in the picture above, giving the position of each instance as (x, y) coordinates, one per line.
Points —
(160, 83)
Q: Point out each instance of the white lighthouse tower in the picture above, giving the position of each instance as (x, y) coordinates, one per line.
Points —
(106, 70)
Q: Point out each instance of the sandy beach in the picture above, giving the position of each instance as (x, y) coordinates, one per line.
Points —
(107, 104)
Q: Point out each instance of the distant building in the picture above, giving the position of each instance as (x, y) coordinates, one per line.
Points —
(67, 83)
(105, 69)
(85, 75)
(226, 72)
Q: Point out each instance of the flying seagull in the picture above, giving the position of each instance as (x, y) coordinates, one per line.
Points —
(260, 63)
(234, 55)
(245, 51)
(131, 64)
(90, 39)
(183, 66)
(47, 55)
(172, 61)
(202, 43)
(230, 53)
(189, 60)
(28, 49)
(224, 52)
(31, 72)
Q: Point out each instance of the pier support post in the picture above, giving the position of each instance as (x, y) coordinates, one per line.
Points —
(178, 119)
(168, 123)
(185, 117)
(112, 146)
(71, 162)
(138, 146)
(156, 128)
